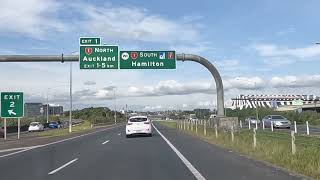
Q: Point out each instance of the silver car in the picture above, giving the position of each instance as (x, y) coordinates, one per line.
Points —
(277, 121)
(252, 120)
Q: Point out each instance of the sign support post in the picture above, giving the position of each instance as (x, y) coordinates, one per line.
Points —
(5, 128)
(18, 128)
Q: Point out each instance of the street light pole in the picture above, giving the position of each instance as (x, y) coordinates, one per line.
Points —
(70, 113)
(47, 108)
(115, 106)
(257, 115)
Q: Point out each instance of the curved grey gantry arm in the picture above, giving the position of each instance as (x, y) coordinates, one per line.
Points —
(215, 74)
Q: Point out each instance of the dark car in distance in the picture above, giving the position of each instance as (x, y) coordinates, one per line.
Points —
(54, 125)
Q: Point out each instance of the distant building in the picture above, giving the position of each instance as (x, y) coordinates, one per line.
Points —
(32, 109)
(272, 101)
(53, 110)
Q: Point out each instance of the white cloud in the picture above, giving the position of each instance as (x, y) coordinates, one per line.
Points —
(271, 50)
(244, 83)
(185, 95)
(102, 93)
(192, 48)
(229, 64)
(170, 87)
(33, 17)
(136, 23)
(278, 61)
(296, 81)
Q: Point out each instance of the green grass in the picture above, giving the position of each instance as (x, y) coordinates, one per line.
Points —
(170, 124)
(85, 126)
(273, 147)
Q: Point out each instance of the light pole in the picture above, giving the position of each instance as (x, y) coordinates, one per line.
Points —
(70, 98)
(257, 115)
(115, 105)
(70, 113)
(47, 108)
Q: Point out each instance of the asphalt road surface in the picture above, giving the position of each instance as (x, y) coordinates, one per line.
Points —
(108, 154)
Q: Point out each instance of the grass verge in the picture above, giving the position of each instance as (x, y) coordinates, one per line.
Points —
(85, 126)
(272, 147)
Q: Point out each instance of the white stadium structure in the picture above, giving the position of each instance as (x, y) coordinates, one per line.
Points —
(251, 101)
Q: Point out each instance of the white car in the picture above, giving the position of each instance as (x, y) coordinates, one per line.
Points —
(138, 125)
(35, 126)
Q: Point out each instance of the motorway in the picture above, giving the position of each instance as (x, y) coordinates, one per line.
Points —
(108, 154)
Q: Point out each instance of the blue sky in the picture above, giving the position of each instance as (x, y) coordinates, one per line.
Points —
(268, 43)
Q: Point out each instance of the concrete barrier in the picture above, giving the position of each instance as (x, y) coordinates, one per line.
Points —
(227, 122)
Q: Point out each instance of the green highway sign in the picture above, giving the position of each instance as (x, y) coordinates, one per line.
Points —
(98, 57)
(90, 41)
(147, 60)
(12, 104)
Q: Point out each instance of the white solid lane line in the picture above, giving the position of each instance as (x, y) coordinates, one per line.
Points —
(14, 149)
(105, 142)
(193, 170)
(63, 166)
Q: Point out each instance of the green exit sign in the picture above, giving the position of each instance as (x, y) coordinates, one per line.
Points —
(12, 104)
(98, 57)
(90, 41)
(147, 60)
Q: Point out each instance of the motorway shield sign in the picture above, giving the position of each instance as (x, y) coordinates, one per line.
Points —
(147, 60)
(12, 104)
(98, 57)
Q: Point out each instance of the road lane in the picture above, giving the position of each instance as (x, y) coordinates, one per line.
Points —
(217, 163)
(137, 158)
(38, 162)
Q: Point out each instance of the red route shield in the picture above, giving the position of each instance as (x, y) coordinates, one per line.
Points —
(134, 55)
(88, 50)
(170, 55)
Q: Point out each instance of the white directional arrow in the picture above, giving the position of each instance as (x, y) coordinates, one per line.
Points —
(10, 111)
